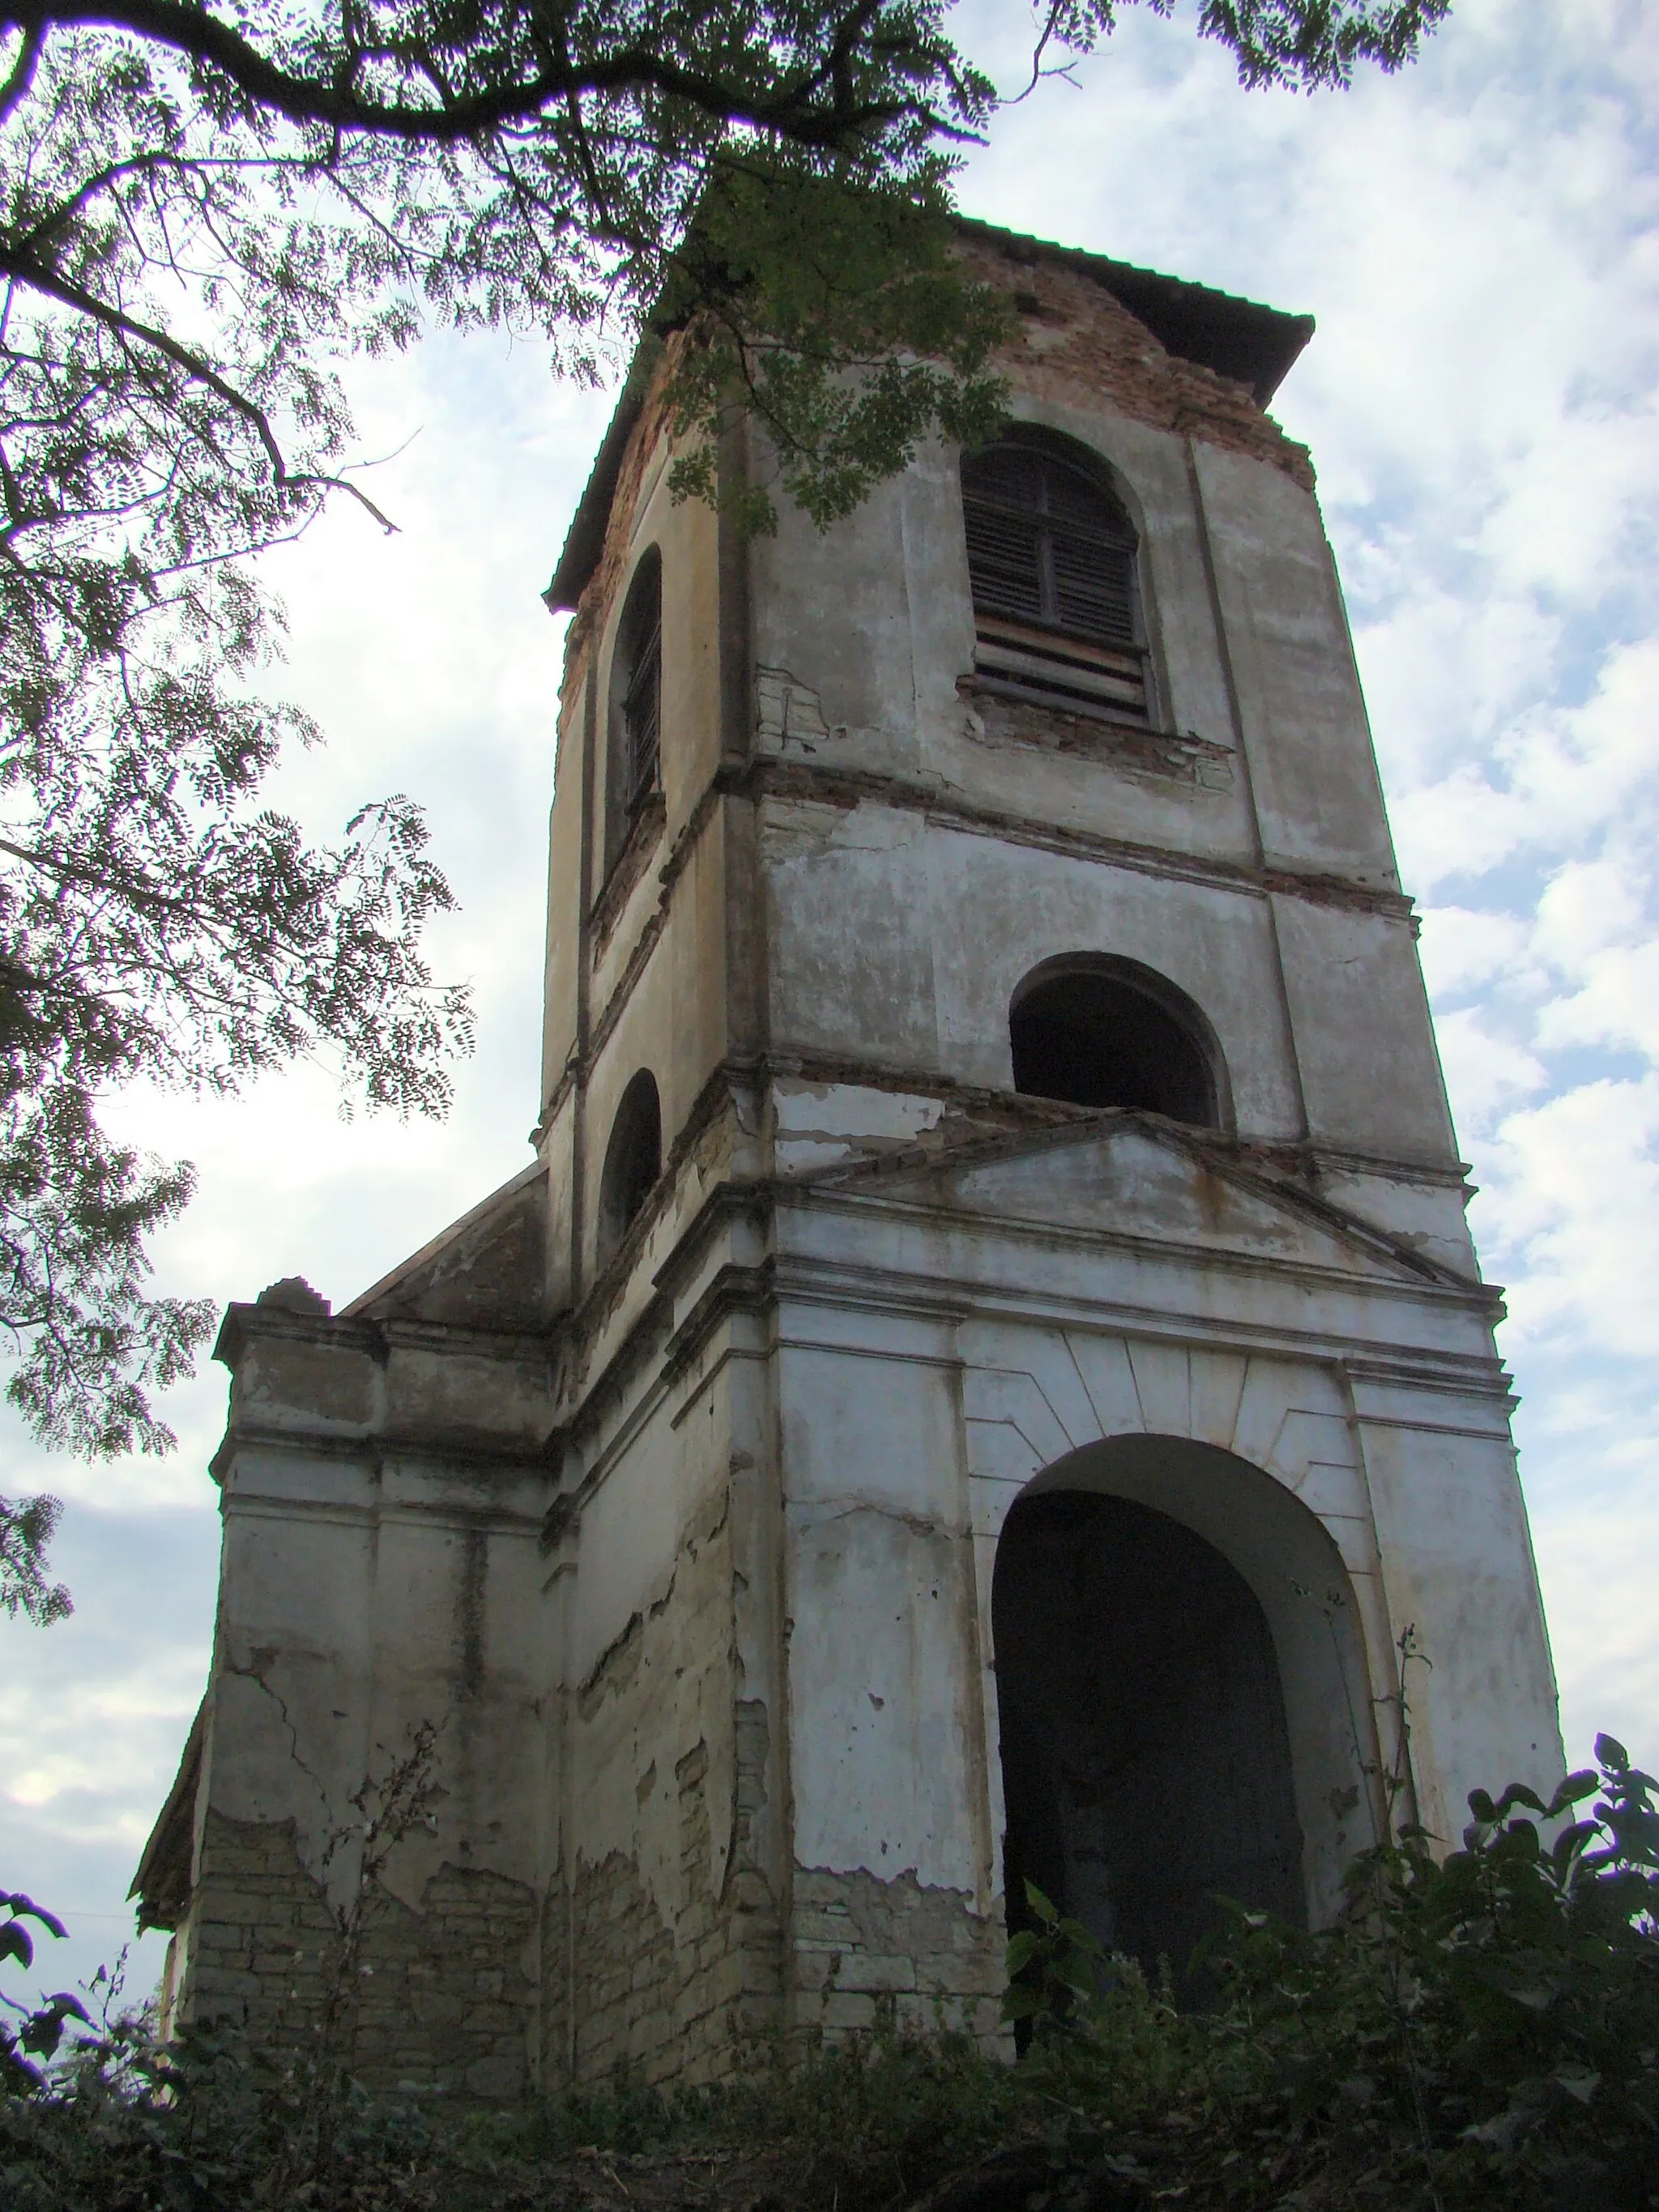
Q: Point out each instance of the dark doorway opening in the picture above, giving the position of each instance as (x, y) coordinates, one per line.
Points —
(1146, 1759)
(1099, 1036)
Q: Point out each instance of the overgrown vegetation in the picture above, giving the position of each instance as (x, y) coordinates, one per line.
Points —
(1478, 2031)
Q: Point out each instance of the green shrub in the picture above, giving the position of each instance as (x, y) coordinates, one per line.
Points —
(1475, 2032)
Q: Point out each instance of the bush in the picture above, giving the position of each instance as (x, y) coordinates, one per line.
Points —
(1477, 2031)
(868, 2125)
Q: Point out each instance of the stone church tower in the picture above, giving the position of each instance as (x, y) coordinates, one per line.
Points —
(985, 1371)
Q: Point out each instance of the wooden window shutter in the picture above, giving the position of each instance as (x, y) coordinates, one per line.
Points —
(1051, 557)
(641, 705)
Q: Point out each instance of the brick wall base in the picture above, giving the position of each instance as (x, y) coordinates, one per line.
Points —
(447, 1999)
(444, 1996)
(659, 1996)
(867, 1952)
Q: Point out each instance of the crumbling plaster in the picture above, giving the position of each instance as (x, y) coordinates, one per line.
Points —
(695, 1572)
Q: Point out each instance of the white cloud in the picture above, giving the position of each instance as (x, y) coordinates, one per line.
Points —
(1484, 1073)
(1570, 1205)
(1618, 1003)
(1463, 948)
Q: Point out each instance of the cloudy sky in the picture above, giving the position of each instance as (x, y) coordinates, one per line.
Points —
(1478, 241)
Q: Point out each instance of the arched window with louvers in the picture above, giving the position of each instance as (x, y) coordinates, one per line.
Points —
(1052, 560)
(636, 748)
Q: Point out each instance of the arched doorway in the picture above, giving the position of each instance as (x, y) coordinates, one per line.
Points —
(1179, 1694)
(1145, 1757)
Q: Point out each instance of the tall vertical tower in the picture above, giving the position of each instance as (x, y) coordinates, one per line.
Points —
(987, 1379)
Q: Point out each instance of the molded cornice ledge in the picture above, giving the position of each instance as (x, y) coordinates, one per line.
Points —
(349, 1387)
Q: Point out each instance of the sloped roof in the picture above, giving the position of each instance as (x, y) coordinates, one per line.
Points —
(1253, 345)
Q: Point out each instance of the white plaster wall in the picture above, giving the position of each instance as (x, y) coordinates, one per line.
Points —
(849, 933)
(998, 911)
(1371, 1073)
(630, 1531)
(1086, 1289)
(1429, 1216)
(1457, 1557)
(888, 1764)
(829, 608)
(353, 1610)
(820, 1125)
(901, 941)
(1318, 802)
(872, 621)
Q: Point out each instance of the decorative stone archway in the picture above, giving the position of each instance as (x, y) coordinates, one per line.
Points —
(1182, 1693)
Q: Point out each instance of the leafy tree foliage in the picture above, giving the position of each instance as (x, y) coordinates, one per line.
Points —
(26, 1529)
(204, 209)
(38, 2033)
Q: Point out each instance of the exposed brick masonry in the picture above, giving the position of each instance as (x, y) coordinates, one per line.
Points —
(443, 1998)
(868, 1950)
(1074, 338)
(662, 1996)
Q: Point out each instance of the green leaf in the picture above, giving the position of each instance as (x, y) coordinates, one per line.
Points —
(20, 1905)
(1021, 1948)
(43, 2031)
(1579, 2081)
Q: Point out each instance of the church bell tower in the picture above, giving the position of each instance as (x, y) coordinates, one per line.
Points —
(987, 1368)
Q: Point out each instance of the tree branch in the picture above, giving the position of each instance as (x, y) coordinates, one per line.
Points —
(303, 100)
(16, 86)
(31, 274)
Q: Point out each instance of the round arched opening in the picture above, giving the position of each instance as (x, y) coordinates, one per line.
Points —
(1110, 1033)
(633, 1162)
(1146, 1764)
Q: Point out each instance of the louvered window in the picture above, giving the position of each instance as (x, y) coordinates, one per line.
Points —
(642, 716)
(1051, 556)
(635, 772)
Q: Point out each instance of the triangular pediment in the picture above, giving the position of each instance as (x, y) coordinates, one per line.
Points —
(1136, 1176)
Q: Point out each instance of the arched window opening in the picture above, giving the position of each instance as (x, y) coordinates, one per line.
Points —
(1146, 1764)
(633, 1162)
(1051, 558)
(1114, 1035)
(636, 703)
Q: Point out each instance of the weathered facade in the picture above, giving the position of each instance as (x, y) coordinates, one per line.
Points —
(986, 1368)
